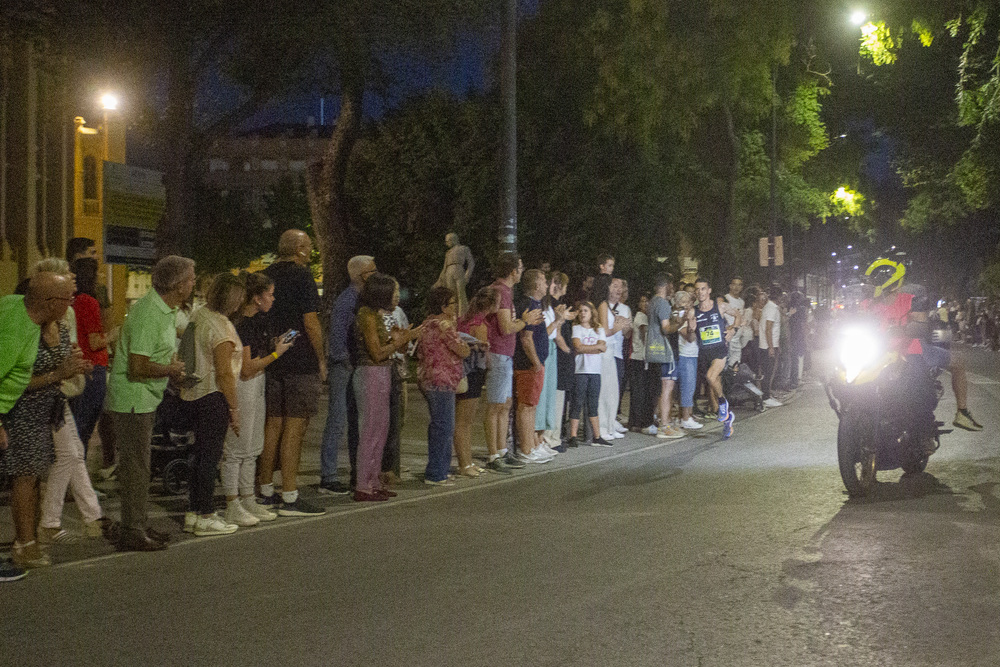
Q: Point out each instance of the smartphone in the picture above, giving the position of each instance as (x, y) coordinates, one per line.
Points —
(289, 336)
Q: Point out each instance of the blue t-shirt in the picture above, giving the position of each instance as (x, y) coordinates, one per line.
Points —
(539, 334)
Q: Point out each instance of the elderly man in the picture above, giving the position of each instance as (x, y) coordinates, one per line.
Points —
(457, 271)
(342, 413)
(144, 361)
(21, 318)
(293, 381)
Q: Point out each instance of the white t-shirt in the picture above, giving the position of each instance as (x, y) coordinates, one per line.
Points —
(616, 343)
(211, 330)
(588, 363)
(639, 344)
(770, 313)
(550, 317)
(687, 349)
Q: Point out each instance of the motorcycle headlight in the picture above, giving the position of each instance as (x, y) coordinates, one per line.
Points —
(858, 349)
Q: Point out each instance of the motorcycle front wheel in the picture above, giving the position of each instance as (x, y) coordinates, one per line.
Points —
(856, 453)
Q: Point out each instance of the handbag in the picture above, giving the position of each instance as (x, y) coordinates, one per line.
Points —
(73, 387)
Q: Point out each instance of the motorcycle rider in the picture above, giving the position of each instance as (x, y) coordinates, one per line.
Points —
(903, 312)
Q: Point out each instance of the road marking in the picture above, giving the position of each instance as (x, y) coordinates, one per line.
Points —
(981, 380)
(397, 502)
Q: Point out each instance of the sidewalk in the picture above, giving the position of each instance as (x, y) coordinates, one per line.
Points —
(167, 511)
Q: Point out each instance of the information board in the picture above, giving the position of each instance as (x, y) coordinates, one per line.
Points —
(134, 202)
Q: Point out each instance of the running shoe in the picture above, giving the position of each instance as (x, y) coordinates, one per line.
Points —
(963, 419)
(723, 410)
(727, 426)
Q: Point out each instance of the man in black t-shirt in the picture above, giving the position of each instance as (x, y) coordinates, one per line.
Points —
(529, 367)
(293, 381)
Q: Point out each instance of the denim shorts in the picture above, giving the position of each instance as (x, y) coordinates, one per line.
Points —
(668, 371)
(499, 378)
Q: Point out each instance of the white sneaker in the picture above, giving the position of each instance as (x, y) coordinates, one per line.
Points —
(772, 403)
(619, 428)
(540, 456)
(652, 430)
(617, 436)
(691, 425)
(545, 449)
(609, 437)
(207, 526)
(534, 456)
(236, 513)
(253, 507)
(190, 518)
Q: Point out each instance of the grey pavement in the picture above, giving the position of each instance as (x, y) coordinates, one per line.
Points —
(692, 552)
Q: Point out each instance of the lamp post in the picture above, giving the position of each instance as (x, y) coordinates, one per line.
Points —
(507, 235)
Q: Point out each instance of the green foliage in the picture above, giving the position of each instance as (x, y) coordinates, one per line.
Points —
(877, 43)
(989, 280)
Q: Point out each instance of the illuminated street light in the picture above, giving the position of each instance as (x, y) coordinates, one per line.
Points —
(833, 254)
(858, 17)
(109, 102)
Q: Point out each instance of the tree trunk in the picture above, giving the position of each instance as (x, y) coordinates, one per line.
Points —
(724, 257)
(325, 185)
(178, 135)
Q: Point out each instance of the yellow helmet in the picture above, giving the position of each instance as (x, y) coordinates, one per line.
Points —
(885, 274)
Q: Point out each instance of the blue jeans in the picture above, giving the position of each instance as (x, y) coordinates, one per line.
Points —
(87, 407)
(687, 371)
(440, 433)
(342, 415)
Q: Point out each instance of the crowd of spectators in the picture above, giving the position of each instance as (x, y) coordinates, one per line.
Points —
(247, 366)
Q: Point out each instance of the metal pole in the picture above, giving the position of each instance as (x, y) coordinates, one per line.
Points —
(508, 93)
(772, 230)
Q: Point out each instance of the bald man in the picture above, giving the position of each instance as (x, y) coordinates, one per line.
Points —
(458, 267)
(293, 382)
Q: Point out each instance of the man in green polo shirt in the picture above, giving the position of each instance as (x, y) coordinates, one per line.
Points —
(145, 358)
(20, 331)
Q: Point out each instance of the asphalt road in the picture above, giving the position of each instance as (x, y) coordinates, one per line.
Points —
(696, 552)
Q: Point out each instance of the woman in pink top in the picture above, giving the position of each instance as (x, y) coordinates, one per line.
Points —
(440, 354)
(485, 302)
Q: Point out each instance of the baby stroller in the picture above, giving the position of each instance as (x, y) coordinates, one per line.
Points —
(171, 447)
(740, 389)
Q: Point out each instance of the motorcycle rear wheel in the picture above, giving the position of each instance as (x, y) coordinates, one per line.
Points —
(856, 453)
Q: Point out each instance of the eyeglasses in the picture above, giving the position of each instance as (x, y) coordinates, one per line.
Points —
(60, 298)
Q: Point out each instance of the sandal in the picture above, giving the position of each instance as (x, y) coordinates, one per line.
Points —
(471, 470)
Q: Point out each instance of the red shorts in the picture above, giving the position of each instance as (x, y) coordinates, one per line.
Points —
(529, 385)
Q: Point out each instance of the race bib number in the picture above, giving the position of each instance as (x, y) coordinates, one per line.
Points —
(711, 334)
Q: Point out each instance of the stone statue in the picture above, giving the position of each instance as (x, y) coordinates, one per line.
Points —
(458, 266)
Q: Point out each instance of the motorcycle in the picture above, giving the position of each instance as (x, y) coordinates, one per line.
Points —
(885, 402)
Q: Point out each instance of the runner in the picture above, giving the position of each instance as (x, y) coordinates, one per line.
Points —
(713, 338)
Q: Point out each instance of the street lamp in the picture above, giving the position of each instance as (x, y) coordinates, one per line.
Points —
(109, 102)
(858, 17)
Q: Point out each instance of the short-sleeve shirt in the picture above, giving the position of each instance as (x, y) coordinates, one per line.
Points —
(20, 336)
(149, 331)
(658, 350)
(588, 363)
(616, 341)
(439, 367)
(88, 321)
(295, 294)
(501, 343)
(253, 332)
(770, 313)
(639, 348)
(211, 329)
(539, 336)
